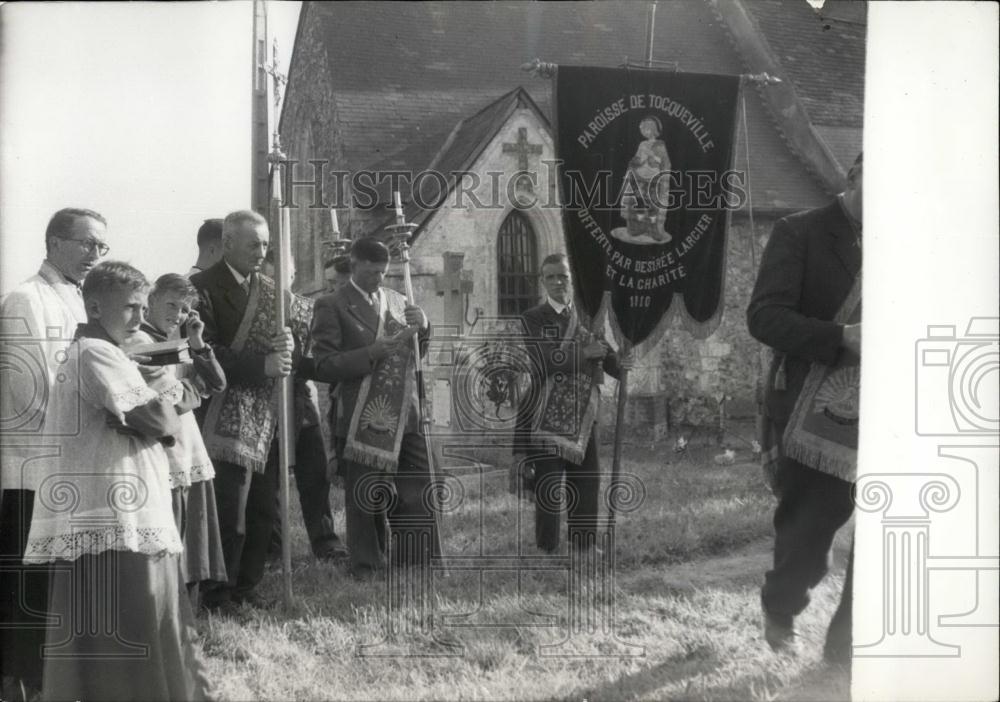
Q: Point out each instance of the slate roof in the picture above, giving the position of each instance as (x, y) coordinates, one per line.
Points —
(823, 56)
(405, 76)
(454, 152)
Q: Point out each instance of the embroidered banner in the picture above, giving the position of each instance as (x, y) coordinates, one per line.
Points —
(646, 183)
(569, 402)
(822, 432)
(377, 425)
(241, 421)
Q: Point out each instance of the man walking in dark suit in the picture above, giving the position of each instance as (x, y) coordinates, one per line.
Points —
(361, 334)
(808, 268)
(237, 306)
(554, 337)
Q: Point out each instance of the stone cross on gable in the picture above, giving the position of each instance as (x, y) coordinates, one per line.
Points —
(522, 148)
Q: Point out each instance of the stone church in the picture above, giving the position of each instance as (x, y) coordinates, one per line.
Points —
(437, 89)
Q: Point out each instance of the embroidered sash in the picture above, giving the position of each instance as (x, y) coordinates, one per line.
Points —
(822, 432)
(379, 419)
(569, 402)
(240, 421)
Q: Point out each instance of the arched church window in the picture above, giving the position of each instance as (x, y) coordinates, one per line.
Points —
(517, 265)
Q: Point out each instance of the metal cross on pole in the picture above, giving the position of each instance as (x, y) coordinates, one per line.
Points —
(278, 79)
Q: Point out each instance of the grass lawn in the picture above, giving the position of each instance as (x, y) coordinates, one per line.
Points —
(685, 622)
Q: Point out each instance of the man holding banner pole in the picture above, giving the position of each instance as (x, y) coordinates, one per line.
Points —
(362, 337)
(570, 363)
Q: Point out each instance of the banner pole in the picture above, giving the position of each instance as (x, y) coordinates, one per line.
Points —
(616, 460)
(286, 432)
(650, 32)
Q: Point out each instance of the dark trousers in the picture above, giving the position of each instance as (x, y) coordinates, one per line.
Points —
(811, 508)
(314, 492)
(563, 486)
(391, 511)
(23, 593)
(245, 502)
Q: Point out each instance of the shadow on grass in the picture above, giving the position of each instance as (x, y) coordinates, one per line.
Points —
(684, 665)
(688, 567)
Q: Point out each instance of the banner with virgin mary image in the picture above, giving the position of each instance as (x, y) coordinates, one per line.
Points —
(646, 183)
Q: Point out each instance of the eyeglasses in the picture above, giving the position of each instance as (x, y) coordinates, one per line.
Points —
(90, 245)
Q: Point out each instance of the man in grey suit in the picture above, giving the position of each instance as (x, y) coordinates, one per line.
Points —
(350, 342)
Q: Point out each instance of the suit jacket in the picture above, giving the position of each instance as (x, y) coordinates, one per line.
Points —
(808, 267)
(546, 330)
(344, 328)
(222, 304)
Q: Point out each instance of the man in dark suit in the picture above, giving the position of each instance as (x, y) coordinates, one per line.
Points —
(209, 246)
(347, 347)
(548, 326)
(808, 267)
(253, 356)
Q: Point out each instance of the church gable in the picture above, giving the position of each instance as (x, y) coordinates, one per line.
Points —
(436, 87)
(489, 200)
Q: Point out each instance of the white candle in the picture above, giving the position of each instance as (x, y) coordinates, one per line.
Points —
(399, 203)
(333, 221)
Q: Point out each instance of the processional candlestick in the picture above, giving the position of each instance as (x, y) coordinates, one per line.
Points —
(398, 241)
